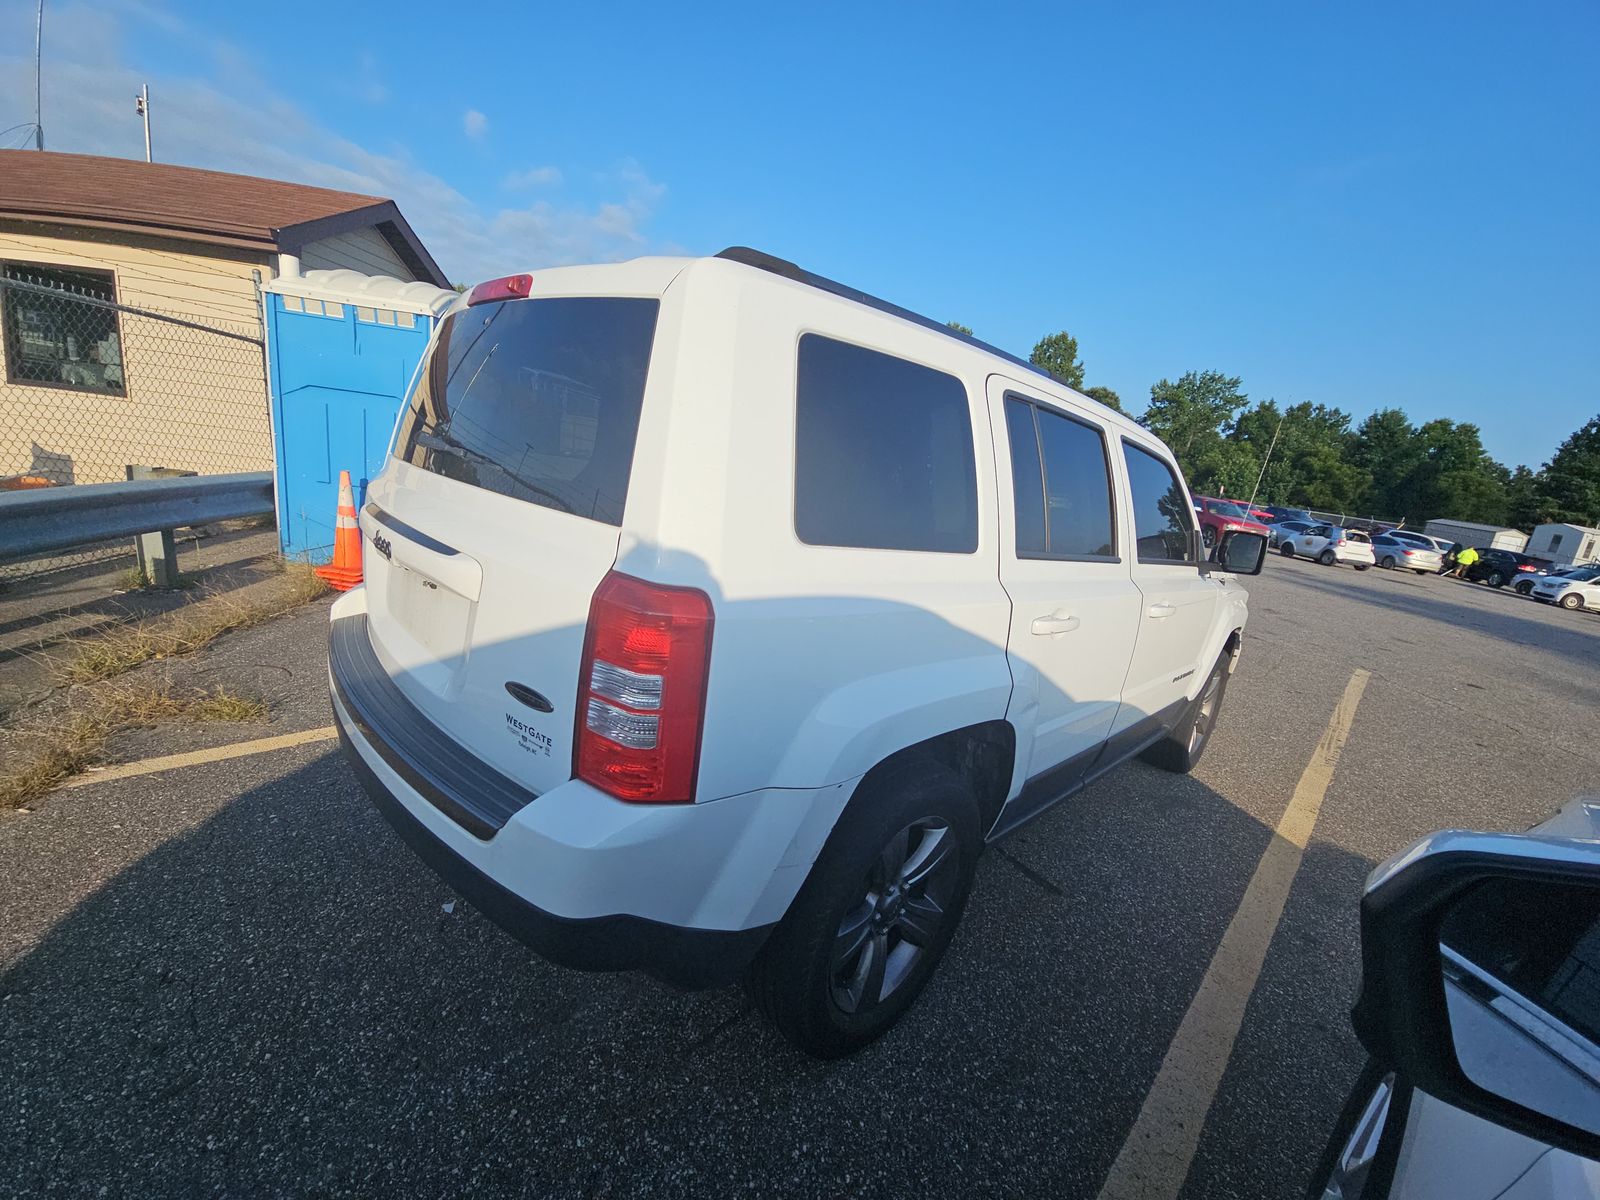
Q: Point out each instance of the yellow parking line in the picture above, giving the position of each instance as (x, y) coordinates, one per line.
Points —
(169, 762)
(1155, 1160)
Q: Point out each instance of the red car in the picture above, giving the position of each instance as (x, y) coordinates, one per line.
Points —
(1218, 516)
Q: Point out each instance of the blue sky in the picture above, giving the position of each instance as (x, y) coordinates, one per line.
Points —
(1358, 205)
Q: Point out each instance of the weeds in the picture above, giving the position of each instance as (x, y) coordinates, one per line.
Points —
(135, 580)
(50, 753)
(121, 649)
(60, 752)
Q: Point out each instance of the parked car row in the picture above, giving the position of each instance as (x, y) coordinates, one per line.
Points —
(1295, 533)
(1328, 544)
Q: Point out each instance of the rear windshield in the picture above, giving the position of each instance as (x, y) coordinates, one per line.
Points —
(537, 400)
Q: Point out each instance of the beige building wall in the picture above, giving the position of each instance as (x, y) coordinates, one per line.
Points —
(194, 400)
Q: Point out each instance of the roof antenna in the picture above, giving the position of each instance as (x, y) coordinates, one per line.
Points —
(38, 78)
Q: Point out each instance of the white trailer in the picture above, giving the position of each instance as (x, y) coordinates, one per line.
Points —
(1565, 544)
(1479, 537)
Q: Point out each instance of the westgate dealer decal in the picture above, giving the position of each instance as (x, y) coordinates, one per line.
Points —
(529, 738)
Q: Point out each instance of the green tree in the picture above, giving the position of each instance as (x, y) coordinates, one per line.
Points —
(1105, 395)
(1387, 448)
(1058, 354)
(1310, 460)
(1190, 415)
(1523, 502)
(1569, 485)
(1456, 477)
(960, 328)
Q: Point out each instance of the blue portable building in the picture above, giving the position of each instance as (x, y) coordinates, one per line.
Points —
(341, 350)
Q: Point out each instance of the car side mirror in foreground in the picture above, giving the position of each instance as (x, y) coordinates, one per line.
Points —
(1481, 975)
(1241, 552)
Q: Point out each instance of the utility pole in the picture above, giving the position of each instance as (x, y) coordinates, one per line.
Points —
(142, 105)
(38, 78)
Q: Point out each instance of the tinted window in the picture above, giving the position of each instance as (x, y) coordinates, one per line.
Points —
(537, 400)
(1068, 513)
(883, 452)
(1077, 486)
(1162, 519)
(1027, 477)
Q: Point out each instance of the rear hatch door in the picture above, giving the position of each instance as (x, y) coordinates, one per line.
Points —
(500, 515)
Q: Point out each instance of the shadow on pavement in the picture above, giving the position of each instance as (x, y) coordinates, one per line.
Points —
(281, 1000)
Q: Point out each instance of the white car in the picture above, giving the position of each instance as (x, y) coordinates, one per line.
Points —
(717, 616)
(1330, 544)
(1396, 553)
(1279, 531)
(1579, 588)
(1480, 1006)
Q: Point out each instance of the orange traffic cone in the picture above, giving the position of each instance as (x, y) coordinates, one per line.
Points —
(344, 572)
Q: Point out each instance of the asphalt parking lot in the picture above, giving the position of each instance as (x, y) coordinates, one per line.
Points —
(233, 978)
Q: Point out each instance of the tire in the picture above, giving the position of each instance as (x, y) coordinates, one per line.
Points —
(1495, 579)
(1287, 549)
(1209, 536)
(1327, 558)
(1420, 572)
(812, 983)
(1388, 563)
(1181, 750)
(1522, 588)
(1571, 602)
(1363, 566)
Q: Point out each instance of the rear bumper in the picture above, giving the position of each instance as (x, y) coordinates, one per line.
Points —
(684, 892)
(686, 958)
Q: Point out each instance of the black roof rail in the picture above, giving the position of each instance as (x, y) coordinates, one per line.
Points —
(782, 266)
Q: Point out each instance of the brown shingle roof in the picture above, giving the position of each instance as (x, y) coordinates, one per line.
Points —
(209, 206)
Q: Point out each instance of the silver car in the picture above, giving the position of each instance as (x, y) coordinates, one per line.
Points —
(1395, 552)
(1480, 1004)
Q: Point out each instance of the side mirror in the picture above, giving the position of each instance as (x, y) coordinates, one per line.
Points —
(1241, 552)
(1481, 975)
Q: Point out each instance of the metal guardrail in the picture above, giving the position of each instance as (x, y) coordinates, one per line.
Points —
(43, 520)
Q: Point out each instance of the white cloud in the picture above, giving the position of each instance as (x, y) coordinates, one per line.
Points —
(475, 124)
(236, 121)
(533, 177)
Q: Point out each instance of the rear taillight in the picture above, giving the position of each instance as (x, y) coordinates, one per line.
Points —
(510, 287)
(1525, 567)
(642, 690)
(1408, 553)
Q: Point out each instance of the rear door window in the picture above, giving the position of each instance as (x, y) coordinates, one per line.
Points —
(537, 400)
(883, 452)
(1061, 484)
(1163, 522)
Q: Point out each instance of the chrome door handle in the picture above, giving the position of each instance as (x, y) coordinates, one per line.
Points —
(1054, 624)
(1161, 609)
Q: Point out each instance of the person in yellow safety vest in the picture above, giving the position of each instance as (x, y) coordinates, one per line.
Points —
(1465, 559)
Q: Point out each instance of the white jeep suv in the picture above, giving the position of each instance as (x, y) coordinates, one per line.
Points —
(716, 616)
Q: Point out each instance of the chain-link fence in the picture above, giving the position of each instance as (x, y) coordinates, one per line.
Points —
(1351, 521)
(90, 388)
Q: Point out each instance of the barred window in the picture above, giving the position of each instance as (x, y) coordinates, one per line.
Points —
(59, 329)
